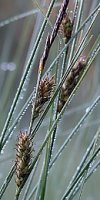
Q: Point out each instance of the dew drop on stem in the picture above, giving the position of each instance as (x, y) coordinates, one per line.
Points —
(87, 109)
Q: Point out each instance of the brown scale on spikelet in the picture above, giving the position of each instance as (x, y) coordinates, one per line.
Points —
(66, 27)
(71, 82)
(44, 93)
(23, 157)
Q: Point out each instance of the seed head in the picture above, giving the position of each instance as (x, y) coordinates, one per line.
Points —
(66, 27)
(71, 81)
(44, 93)
(23, 157)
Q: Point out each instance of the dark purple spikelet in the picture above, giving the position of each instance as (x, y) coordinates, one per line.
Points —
(71, 81)
(45, 54)
(23, 157)
(59, 20)
(51, 37)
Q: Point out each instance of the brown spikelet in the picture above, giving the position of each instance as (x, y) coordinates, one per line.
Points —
(23, 157)
(66, 27)
(71, 82)
(44, 93)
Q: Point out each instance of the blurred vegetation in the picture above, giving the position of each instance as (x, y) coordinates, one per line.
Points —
(16, 43)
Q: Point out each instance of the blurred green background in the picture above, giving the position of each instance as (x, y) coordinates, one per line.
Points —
(16, 41)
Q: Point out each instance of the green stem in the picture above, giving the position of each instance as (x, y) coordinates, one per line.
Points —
(81, 173)
(25, 73)
(16, 121)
